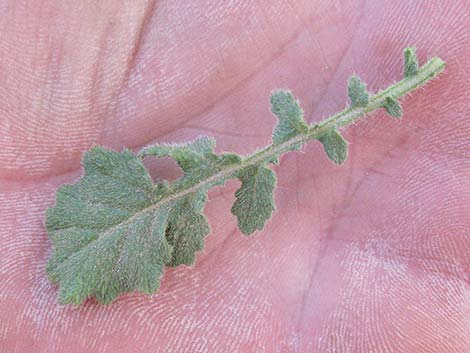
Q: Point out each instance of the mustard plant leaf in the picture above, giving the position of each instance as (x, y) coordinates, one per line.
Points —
(115, 230)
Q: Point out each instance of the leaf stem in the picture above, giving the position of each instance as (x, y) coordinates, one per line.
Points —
(349, 115)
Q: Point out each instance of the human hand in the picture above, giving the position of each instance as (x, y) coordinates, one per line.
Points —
(371, 256)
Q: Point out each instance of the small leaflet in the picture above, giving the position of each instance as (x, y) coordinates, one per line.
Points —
(335, 146)
(393, 107)
(357, 92)
(411, 62)
(289, 114)
(254, 202)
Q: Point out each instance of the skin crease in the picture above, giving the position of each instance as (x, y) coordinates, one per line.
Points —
(369, 257)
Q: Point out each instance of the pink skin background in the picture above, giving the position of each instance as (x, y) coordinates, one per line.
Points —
(370, 257)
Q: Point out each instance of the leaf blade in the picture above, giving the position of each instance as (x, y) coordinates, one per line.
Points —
(335, 146)
(254, 202)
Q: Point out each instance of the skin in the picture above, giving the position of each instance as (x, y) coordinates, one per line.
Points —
(369, 257)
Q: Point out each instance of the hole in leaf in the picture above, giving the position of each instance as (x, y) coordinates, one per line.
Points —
(162, 169)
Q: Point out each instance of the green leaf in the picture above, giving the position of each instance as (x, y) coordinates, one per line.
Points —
(335, 146)
(187, 227)
(254, 202)
(107, 239)
(290, 116)
(357, 92)
(411, 62)
(114, 230)
(393, 107)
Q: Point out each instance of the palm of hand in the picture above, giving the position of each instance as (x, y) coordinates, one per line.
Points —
(368, 257)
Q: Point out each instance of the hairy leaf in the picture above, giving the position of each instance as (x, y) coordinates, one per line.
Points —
(114, 230)
(106, 238)
(254, 202)
(393, 107)
(411, 62)
(290, 116)
(357, 92)
(335, 146)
